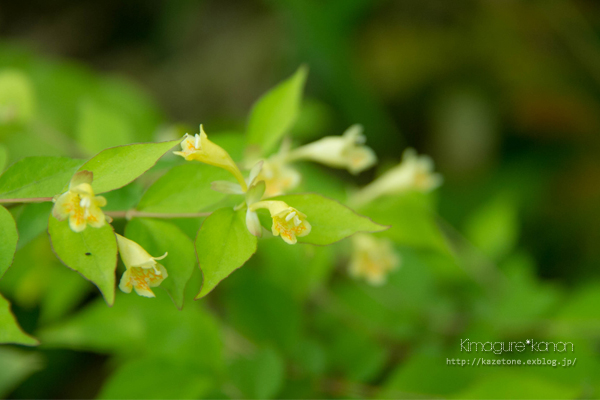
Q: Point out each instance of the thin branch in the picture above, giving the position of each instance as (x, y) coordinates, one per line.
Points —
(26, 200)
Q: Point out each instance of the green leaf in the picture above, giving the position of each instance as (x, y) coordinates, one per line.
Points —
(136, 325)
(117, 166)
(55, 304)
(157, 378)
(522, 386)
(37, 177)
(271, 316)
(260, 376)
(428, 375)
(307, 268)
(494, 227)
(330, 220)
(31, 221)
(8, 239)
(411, 218)
(158, 237)
(3, 157)
(17, 101)
(359, 357)
(184, 189)
(223, 245)
(275, 112)
(15, 366)
(92, 253)
(99, 128)
(10, 332)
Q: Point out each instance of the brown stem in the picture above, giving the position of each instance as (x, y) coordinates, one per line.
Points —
(27, 200)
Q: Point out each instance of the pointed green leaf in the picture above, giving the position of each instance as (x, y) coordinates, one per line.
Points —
(116, 167)
(32, 220)
(223, 245)
(260, 376)
(92, 253)
(330, 220)
(137, 326)
(16, 365)
(8, 239)
(184, 189)
(37, 177)
(412, 219)
(3, 157)
(274, 113)
(158, 237)
(10, 332)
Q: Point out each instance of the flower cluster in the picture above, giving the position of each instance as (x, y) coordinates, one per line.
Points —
(372, 258)
(288, 222)
(82, 208)
(347, 151)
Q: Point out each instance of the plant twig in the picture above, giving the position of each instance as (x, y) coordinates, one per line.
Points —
(29, 200)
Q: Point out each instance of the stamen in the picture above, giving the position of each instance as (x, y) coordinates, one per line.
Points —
(296, 220)
(85, 202)
(290, 216)
(197, 143)
(156, 271)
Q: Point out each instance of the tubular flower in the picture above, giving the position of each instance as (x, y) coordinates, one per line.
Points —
(346, 151)
(413, 173)
(372, 258)
(287, 221)
(279, 177)
(143, 272)
(201, 149)
(79, 204)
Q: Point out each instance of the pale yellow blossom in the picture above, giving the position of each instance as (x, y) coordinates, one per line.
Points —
(279, 176)
(143, 272)
(288, 222)
(372, 258)
(79, 204)
(347, 151)
(413, 173)
(200, 148)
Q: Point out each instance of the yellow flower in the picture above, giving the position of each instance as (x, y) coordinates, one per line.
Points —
(79, 204)
(143, 272)
(372, 258)
(413, 173)
(287, 221)
(201, 149)
(347, 151)
(279, 177)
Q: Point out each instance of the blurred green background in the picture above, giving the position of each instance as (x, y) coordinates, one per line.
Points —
(504, 95)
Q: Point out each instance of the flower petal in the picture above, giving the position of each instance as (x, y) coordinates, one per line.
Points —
(226, 187)
(81, 177)
(63, 206)
(253, 223)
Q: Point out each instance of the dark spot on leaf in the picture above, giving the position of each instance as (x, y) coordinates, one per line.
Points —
(88, 254)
